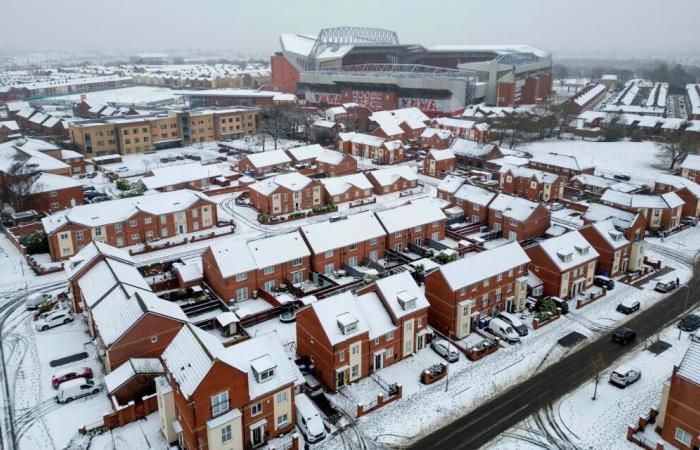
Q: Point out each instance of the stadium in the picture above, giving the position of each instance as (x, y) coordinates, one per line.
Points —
(371, 67)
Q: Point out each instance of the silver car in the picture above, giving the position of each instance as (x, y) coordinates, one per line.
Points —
(445, 350)
(624, 376)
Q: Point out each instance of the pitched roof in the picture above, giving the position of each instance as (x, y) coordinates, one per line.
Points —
(689, 368)
(474, 194)
(451, 183)
(294, 181)
(269, 158)
(278, 249)
(598, 212)
(607, 230)
(399, 288)
(679, 183)
(134, 366)
(441, 155)
(336, 309)
(323, 236)
(691, 162)
(177, 174)
(472, 149)
(409, 216)
(513, 207)
(92, 251)
(389, 175)
(339, 185)
(568, 250)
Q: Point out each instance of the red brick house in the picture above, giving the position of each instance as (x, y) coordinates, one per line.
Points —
(662, 213)
(531, 184)
(348, 337)
(49, 193)
(678, 417)
(448, 186)
(346, 241)
(185, 176)
(687, 190)
(226, 397)
(517, 218)
(566, 264)
(590, 185)
(439, 162)
(359, 144)
(613, 247)
(631, 223)
(465, 129)
(690, 168)
(8, 130)
(403, 123)
(128, 221)
(414, 224)
(265, 162)
(75, 160)
(475, 202)
(392, 179)
(482, 285)
(346, 188)
(436, 138)
(474, 154)
(286, 193)
(235, 270)
(329, 162)
(566, 166)
(390, 152)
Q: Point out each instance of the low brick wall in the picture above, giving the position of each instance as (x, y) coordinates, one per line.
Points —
(427, 378)
(363, 410)
(537, 325)
(641, 425)
(590, 299)
(131, 412)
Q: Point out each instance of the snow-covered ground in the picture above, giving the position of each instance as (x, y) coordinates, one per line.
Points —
(636, 159)
(135, 96)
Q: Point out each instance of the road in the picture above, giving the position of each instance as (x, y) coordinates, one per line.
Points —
(490, 419)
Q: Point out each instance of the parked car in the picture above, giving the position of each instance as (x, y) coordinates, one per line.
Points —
(628, 306)
(101, 198)
(689, 220)
(308, 419)
(88, 189)
(442, 348)
(33, 301)
(622, 177)
(514, 322)
(91, 175)
(179, 157)
(122, 169)
(92, 194)
(624, 376)
(72, 373)
(555, 206)
(56, 318)
(73, 389)
(164, 160)
(561, 304)
(624, 335)
(603, 281)
(691, 322)
(665, 286)
(503, 330)
(312, 385)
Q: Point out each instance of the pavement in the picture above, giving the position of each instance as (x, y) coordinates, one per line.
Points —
(489, 420)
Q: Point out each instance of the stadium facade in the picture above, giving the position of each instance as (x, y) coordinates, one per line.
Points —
(371, 67)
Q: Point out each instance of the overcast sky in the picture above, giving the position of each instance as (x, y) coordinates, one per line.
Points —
(253, 27)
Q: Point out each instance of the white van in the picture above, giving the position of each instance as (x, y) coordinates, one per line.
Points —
(73, 389)
(515, 322)
(33, 301)
(503, 330)
(308, 419)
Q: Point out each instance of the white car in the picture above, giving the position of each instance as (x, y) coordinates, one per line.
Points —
(54, 319)
(624, 376)
(33, 301)
(445, 350)
(309, 420)
(122, 169)
(77, 388)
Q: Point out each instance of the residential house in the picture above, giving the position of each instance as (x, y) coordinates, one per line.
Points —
(662, 212)
(474, 201)
(329, 162)
(216, 397)
(185, 176)
(477, 286)
(390, 152)
(474, 154)
(284, 194)
(690, 168)
(346, 188)
(517, 218)
(448, 186)
(439, 162)
(534, 185)
(359, 144)
(265, 162)
(393, 179)
(632, 224)
(566, 264)
(615, 250)
(566, 166)
(412, 225)
(9, 130)
(344, 241)
(436, 138)
(402, 124)
(586, 185)
(465, 129)
(687, 190)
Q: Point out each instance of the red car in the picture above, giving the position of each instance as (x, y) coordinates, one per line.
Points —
(70, 374)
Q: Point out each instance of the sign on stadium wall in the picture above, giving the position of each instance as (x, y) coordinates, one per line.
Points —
(425, 104)
(320, 97)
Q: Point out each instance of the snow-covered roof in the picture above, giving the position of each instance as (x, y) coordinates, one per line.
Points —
(132, 367)
(668, 200)
(513, 207)
(607, 230)
(329, 235)
(92, 251)
(454, 123)
(361, 138)
(340, 309)
(25, 155)
(474, 194)
(278, 249)
(584, 97)
(689, 368)
(16, 106)
(378, 319)
(389, 175)
(467, 271)
(178, 174)
(48, 182)
(441, 155)
(113, 211)
(679, 183)
(409, 216)
(450, 183)
(413, 117)
(305, 152)
(393, 145)
(269, 158)
(693, 91)
(294, 181)
(122, 308)
(473, 149)
(193, 351)
(330, 157)
(10, 125)
(568, 250)
(441, 134)
(527, 173)
(691, 162)
(401, 290)
(621, 218)
(593, 180)
(563, 161)
(233, 257)
(510, 160)
(339, 185)
(105, 276)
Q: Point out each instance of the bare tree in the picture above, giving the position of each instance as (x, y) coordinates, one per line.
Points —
(677, 146)
(18, 186)
(598, 365)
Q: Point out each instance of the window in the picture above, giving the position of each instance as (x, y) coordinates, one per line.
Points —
(418, 228)
(219, 403)
(118, 227)
(485, 300)
(486, 282)
(341, 356)
(499, 277)
(242, 276)
(408, 346)
(281, 397)
(390, 352)
(154, 339)
(53, 194)
(373, 241)
(133, 223)
(163, 218)
(282, 420)
(98, 231)
(355, 349)
(149, 233)
(355, 371)
(683, 436)
(195, 213)
(79, 235)
(226, 434)
(462, 291)
(329, 253)
(135, 237)
(397, 234)
(297, 261)
(242, 294)
(120, 242)
(256, 409)
(352, 247)
(268, 270)
(147, 220)
(390, 336)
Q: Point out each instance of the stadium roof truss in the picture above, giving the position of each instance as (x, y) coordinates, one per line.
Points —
(364, 36)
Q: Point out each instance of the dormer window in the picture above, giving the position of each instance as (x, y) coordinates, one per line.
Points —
(582, 249)
(347, 323)
(615, 235)
(263, 368)
(406, 300)
(565, 256)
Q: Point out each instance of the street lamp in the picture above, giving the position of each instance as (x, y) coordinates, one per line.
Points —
(685, 308)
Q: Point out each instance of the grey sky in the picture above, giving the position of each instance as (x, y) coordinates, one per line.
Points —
(563, 26)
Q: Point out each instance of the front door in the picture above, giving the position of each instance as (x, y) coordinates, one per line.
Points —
(257, 435)
(576, 287)
(181, 228)
(420, 342)
(432, 166)
(340, 379)
(378, 361)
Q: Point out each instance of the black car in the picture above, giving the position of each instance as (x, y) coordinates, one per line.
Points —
(92, 194)
(91, 175)
(603, 281)
(628, 306)
(691, 322)
(624, 335)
